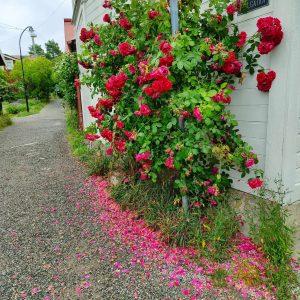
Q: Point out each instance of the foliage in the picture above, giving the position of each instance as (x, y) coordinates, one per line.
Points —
(96, 163)
(209, 230)
(8, 89)
(52, 49)
(38, 76)
(36, 49)
(269, 229)
(5, 121)
(169, 95)
(66, 70)
(19, 109)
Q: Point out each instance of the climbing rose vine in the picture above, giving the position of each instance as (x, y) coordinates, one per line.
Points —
(163, 101)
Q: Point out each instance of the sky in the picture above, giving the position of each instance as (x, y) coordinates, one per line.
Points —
(45, 16)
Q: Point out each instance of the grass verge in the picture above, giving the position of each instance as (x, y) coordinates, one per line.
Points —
(5, 121)
(19, 110)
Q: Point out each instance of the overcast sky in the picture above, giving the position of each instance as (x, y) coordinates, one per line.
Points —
(45, 16)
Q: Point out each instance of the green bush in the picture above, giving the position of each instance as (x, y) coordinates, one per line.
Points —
(38, 76)
(66, 70)
(5, 121)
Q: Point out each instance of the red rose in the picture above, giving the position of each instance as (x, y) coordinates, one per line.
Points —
(126, 49)
(132, 69)
(230, 9)
(125, 24)
(107, 134)
(113, 52)
(165, 47)
(107, 103)
(255, 183)
(242, 39)
(120, 124)
(107, 4)
(265, 47)
(162, 85)
(106, 18)
(264, 81)
(153, 14)
(166, 60)
(169, 163)
(97, 40)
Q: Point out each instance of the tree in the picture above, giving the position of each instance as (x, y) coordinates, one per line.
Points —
(38, 76)
(36, 50)
(52, 49)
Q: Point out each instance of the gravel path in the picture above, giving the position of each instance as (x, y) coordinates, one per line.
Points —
(51, 246)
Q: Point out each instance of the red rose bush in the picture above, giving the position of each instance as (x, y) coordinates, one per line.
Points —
(163, 100)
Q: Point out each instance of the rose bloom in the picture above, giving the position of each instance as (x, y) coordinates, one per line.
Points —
(166, 60)
(230, 9)
(242, 39)
(106, 18)
(125, 24)
(126, 49)
(197, 114)
(165, 47)
(132, 69)
(250, 162)
(169, 163)
(142, 156)
(120, 124)
(153, 14)
(255, 183)
(97, 40)
(265, 47)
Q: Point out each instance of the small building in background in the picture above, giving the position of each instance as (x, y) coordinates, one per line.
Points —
(7, 61)
(70, 41)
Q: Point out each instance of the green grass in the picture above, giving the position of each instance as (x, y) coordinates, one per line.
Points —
(19, 110)
(5, 121)
(94, 160)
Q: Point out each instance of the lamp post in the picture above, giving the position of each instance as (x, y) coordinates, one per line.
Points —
(32, 35)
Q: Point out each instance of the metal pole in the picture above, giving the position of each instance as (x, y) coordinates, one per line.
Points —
(175, 29)
(23, 75)
(174, 16)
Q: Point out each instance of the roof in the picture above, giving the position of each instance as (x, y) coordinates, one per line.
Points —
(10, 57)
(2, 60)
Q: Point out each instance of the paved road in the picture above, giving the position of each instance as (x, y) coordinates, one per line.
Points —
(35, 166)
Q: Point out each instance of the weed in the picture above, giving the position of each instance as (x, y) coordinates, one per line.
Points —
(5, 121)
(275, 237)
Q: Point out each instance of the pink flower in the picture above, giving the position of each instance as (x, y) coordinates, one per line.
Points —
(185, 292)
(153, 14)
(255, 183)
(77, 82)
(78, 290)
(197, 114)
(132, 69)
(144, 111)
(23, 295)
(87, 284)
(169, 163)
(250, 163)
(35, 290)
(143, 156)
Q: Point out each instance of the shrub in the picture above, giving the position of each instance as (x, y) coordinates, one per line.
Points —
(66, 70)
(169, 94)
(38, 76)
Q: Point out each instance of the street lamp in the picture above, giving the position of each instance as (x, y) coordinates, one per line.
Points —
(32, 35)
